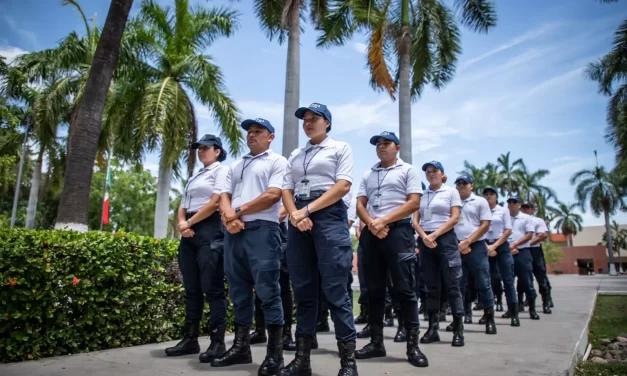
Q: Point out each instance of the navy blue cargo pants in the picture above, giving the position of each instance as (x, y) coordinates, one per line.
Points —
(539, 270)
(503, 262)
(476, 264)
(523, 267)
(202, 267)
(252, 259)
(323, 252)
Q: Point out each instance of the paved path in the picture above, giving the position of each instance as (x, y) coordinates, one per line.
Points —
(538, 348)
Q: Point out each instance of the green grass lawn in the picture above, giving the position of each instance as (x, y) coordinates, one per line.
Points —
(608, 321)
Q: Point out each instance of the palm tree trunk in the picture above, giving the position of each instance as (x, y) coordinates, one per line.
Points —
(404, 97)
(83, 143)
(20, 171)
(162, 207)
(610, 250)
(292, 82)
(31, 209)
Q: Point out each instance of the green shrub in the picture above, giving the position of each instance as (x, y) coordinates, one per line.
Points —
(558, 272)
(64, 292)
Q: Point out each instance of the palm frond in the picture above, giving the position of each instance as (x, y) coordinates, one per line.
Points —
(477, 15)
(78, 8)
(208, 24)
(339, 25)
(381, 78)
(269, 14)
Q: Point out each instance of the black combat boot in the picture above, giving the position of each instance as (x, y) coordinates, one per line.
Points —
(458, 331)
(401, 335)
(467, 313)
(363, 315)
(546, 305)
(478, 307)
(258, 335)
(323, 326)
(490, 325)
(432, 334)
(239, 353)
(499, 303)
(513, 311)
(348, 366)
(273, 362)
(365, 332)
(374, 349)
(521, 303)
(216, 347)
(551, 300)
(388, 320)
(301, 365)
(414, 355)
(189, 343)
(314, 342)
(288, 342)
(532, 309)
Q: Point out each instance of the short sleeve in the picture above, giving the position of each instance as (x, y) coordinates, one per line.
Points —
(277, 174)
(228, 185)
(485, 214)
(288, 181)
(363, 188)
(414, 185)
(529, 225)
(507, 220)
(455, 199)
(352, 210)
(541, 228)
(344, 169)
(221, 176)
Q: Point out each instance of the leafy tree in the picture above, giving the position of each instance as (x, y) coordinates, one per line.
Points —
(529, 182)
(509, 177)
(131, 199)
(420, 36)
(477, 174)
(567, 221)
(552, 252)
(619, 237)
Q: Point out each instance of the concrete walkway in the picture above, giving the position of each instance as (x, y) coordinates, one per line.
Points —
(545, 347)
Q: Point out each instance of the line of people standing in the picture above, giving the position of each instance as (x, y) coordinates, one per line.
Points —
(267, 223)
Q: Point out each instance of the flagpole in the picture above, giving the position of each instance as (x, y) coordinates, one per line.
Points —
(106, 188)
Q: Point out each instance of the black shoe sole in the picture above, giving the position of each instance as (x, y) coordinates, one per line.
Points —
(420, 365)
(186, 352)
(271, 373)
(430, 340)
(300, 373)
(243, 361)
(371, 356)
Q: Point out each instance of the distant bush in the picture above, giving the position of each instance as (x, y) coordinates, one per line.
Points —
(558, 272)
(64, 292)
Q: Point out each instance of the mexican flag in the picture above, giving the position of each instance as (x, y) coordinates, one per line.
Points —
(105, 204)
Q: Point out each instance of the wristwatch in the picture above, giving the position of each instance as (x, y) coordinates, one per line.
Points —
(189, 222)
(238, 211)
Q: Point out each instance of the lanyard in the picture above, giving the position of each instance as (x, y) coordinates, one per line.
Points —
(245, 166)
(306, 164)
(429, 201)
(189, 183)
(380, 182)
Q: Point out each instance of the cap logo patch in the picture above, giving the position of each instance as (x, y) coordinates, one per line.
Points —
(314, 105)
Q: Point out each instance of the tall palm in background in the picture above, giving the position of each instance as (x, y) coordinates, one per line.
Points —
(173, 222)
(619, 236)
(158, 103)
(281, 19)
(529, 182)
(566, 220)
(477, 174)
(421, 37)
(597, 188)
(509, 182)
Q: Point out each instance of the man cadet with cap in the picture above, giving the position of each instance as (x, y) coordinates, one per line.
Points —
(522, 232)
(539, 265)
(388, 195)
(471, 229)
(249, 202)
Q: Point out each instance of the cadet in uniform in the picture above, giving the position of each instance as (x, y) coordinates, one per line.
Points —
(318, 242)
(441, 261)
(539, 265)
(388, 195)
(201, 251)
(249, 203)
(500, 253)
(522, 231)
(474, 223)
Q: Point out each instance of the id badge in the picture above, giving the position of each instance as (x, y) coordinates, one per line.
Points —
(427, 214)
(461, 220)
(238, 189)
(377, 201)
(303, 190)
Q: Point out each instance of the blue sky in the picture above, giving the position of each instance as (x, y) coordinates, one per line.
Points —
(521, 88)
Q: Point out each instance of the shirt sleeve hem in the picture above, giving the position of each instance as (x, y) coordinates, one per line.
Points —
(348, 178)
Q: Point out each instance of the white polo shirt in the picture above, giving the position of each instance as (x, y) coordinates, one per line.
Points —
(474, 210)
(251, 176)
(500, 222)
(352, 207)
(539, 228)
(521, 224)
(392, 184)
(201, 186)
(326, 163)
(439, 203)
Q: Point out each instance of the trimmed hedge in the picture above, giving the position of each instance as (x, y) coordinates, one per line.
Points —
(64, 292)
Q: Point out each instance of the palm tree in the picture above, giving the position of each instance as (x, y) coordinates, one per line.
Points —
(509, 181)
(529, 182)
(173, 221)
(421, 36)
(477, 174)
(610, 72)
(619, 235)
(158, 102)
(492, 175)
(598, 189)
(567, 221)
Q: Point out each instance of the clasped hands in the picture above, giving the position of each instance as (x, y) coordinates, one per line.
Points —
(379, 228)
(185, 230)
(514, 248)
(232, 221)
(300, 220)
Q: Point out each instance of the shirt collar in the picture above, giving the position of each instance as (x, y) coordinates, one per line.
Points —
(208, 168)
(443, 188)
(267, 152)
(377, 166)
(472, 197)
(324, 143)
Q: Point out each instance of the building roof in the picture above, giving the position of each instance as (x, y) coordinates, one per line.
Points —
(558, 238)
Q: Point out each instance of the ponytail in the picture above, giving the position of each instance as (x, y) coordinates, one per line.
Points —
(444, 178)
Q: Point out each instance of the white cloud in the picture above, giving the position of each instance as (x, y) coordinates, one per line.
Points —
(11, 52)
(28, 35)
(360, 47)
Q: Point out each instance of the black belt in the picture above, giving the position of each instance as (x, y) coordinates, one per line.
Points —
(189, 215)
(313, 195)
(405, 221)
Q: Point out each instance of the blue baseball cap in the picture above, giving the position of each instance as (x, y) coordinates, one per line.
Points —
(317, 108)
(435, 164)
(390, 136)
(514, 198)
(490, 189)
(208, 140)
(258, 121)
(465, 178)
